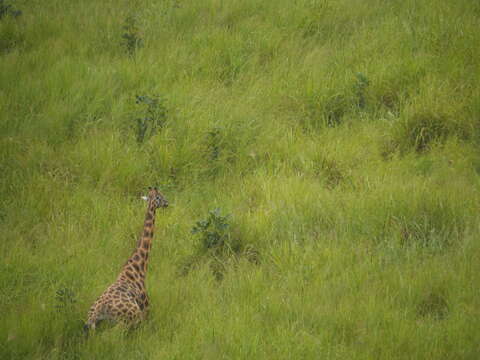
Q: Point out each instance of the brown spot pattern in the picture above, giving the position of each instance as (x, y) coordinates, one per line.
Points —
(126, 298)
(130, 275)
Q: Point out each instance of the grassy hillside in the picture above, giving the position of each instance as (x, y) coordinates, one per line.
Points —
(341, 138)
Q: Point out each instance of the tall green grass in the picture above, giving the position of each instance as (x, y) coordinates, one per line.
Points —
(341, 136)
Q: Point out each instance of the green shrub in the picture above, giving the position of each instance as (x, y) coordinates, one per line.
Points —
(217, 245)
(10, 35)
(154, 118)
(214, 143)
(132, 40)
(8, 9)
(65, 297)
(213, 232)
(359, 87)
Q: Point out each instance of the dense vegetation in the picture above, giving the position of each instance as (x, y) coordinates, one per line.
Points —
(321, 159)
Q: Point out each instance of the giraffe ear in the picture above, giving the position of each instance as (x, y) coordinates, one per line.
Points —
(145, 198)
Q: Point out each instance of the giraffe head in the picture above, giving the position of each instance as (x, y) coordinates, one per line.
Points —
(156, 198)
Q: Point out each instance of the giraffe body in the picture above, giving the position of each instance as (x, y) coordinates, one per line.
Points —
(126, 299)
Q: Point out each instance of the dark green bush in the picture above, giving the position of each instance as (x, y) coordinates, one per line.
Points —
(359, 87)
(131, 36)
(10, 36)
(153, 119)
(217, 245)
(64, 298)
(8, 9)
(213, 232)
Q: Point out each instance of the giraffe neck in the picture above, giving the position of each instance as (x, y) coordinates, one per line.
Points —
(136, 267)
(145, 242)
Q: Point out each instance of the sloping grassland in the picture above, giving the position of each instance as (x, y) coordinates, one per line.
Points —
(339, 141)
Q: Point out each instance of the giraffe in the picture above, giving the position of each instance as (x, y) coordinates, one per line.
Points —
(126, 299)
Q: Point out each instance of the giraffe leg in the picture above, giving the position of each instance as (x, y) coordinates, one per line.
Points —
(91, 323)
(88, 327)
(97, 313)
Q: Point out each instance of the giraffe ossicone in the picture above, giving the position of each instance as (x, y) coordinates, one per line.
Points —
(126, 299)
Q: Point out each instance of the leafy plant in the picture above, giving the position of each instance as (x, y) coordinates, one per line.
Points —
(217, 245)
(7, 9)
(155, 117)
(360, 86)
(64, 298)
(10, 36)
(213, 231)
(213, 143)
(131, 37)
